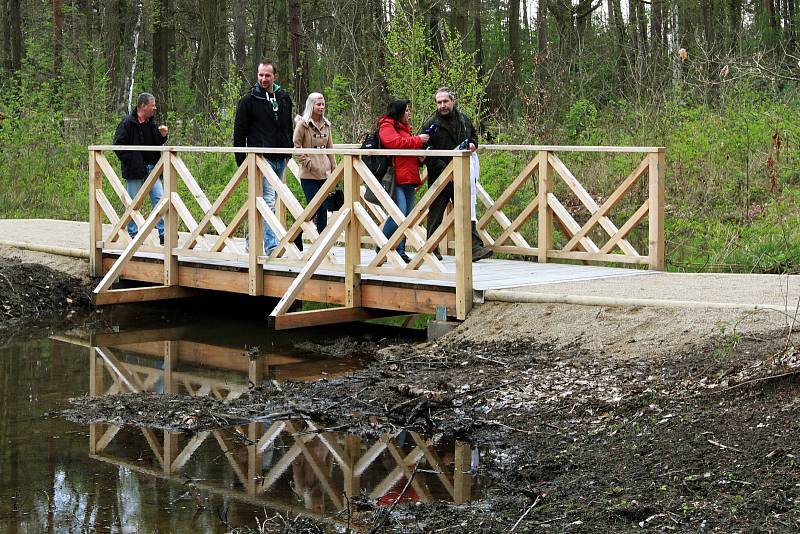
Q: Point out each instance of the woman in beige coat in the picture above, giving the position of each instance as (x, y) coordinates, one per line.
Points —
(313, 130)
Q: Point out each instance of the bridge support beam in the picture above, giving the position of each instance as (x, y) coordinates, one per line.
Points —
(326, 316)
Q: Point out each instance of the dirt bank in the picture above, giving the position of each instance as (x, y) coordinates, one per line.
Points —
(36, 286)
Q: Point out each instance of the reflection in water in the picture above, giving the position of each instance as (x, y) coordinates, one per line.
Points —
(48, 483)
(288, 465)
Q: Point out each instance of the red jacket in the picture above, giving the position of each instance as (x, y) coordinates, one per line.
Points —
(396, 135)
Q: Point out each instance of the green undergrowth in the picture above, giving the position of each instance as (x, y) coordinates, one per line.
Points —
(732, 170)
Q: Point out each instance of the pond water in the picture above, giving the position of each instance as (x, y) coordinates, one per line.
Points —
(60, 476)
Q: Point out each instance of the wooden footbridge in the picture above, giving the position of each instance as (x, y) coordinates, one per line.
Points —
(213, 232)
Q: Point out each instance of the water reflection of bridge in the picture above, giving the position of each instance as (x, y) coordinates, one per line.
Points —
(273, 463)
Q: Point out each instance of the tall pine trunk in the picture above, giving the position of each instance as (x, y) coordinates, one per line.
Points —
(299, 54)
(58, 38)
(477, 36)
(161, 52)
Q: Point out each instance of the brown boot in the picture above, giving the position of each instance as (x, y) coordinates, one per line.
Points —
(479, 250)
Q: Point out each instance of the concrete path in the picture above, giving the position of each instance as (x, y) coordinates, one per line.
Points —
(681, 289)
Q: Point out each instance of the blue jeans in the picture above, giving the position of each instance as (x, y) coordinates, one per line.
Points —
(404, 198)
(268, 192)
(311, 188)
(156, 194)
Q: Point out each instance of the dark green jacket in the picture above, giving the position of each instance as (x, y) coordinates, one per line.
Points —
(449, 135)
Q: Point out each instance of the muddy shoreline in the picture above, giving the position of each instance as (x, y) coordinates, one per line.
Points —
(32, 293)
(587, 418)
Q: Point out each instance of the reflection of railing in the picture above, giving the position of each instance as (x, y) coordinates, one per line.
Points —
(211, 239)
(333, 464)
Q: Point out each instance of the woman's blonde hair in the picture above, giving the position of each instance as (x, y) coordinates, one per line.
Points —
(310, 101)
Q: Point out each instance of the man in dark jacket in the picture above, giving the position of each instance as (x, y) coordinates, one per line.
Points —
(139, 128)
(264, 119)
(454, 128)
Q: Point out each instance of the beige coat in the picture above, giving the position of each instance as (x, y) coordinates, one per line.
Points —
(307, 135)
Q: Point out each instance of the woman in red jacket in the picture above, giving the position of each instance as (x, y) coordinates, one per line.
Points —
(395, 133)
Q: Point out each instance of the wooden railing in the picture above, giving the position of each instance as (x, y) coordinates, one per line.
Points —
(553, 214)
(210, 237)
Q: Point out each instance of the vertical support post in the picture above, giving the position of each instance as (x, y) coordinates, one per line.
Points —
(254, 433)
(656, 210)
(462, 478)
(95, 217)
(255, 224)
(352, 482)
(170, 222)
(95, 389)
(256, 370)
(170, 386)
(461, 207)
(352, 240)
(545, 211)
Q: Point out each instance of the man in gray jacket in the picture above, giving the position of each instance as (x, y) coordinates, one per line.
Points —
(139, 128)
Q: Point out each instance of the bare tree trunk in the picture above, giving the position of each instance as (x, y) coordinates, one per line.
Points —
(210, 16)
(239, 38)
(735, 22)
(111, 28)
(432, 9)
(58, 38)
(707, 13)
(615, 16)
(130, 74)
(5, 29)
(259, 40)
(656, 29)
(769, 12)
(15, 32)
(377, 35)
(299, 56)
(641, 23)
(513, 39)
(791, 8)
(541, 38)
(477, 36)
(161, 52)
(283, 50)
(684, 27)
(460, 11)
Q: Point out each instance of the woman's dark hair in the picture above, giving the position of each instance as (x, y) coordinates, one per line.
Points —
(397, 108)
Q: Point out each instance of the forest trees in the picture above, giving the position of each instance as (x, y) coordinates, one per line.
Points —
(529, 55)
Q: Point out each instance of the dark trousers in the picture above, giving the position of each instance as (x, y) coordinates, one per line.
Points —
(436, 214)
(311, 188)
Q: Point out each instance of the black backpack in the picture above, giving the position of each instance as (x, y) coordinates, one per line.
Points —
(376, 164)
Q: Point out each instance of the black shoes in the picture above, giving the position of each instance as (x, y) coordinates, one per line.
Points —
(481, 253)
(405, 257)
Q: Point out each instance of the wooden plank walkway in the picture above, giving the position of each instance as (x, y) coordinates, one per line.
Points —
(486, 274)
